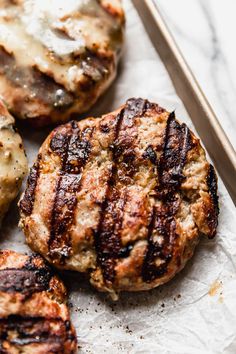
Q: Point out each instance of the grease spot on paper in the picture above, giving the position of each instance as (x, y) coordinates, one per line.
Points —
(215, 288)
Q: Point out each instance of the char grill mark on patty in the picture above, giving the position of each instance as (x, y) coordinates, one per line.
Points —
(177, 143)
(34, 82)
(73, 147)
(212, 185)
(27, 203)
(26, 280)
(92, 62)
(162, 229)
(107, 237)
(214, 212)
(20, 331)
(161, 241)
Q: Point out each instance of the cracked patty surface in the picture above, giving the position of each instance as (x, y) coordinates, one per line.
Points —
(34, 317)
(124, 197)
(57, 57)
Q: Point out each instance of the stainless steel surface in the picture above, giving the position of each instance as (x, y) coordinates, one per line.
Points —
(187, 88)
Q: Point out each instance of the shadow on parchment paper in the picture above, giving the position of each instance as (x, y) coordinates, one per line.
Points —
(32, 136)
(11, 236)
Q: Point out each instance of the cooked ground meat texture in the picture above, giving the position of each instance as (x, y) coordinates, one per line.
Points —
(13, 162)
(34, 317)
(57, 57)
(124, 197)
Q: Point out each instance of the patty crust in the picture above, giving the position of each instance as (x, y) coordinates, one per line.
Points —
(57, 57)
(124, 197)
(34, 317)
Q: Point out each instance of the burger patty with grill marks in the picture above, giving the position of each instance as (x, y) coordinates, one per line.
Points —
(57, 57)
(124, 197)
(34, 317)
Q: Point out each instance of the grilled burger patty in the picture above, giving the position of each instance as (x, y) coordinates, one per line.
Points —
(33, 315)
(13, 162)
(124, 197)
(57, 57)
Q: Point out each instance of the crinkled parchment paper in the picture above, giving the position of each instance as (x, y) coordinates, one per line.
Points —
(195, 312)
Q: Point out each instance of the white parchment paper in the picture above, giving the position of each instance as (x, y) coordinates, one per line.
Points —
(196, 312)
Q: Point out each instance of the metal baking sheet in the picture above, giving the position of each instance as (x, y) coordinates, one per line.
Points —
(188, 89)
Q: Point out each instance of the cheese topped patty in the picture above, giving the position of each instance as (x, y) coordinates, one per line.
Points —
(57, 57)
(13, 162)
